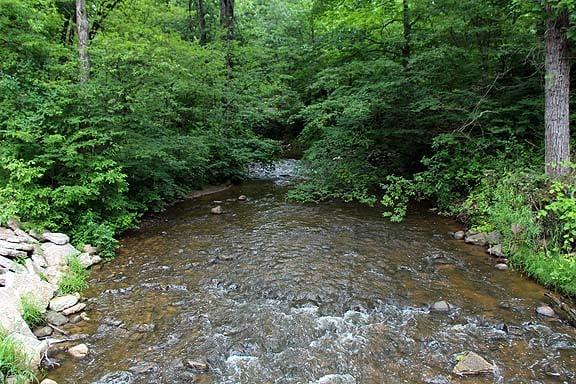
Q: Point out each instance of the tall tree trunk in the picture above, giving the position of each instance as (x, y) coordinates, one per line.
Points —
(227, 21)
(82, 25)
(407, 35)
(557, 92)
(201, 21)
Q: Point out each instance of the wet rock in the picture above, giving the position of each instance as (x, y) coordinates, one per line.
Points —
(545, 310)
(501, 267)
(459, 235)
(470, 363)
(48, 381)
(441, 306)
(120, 377)
(56, 238)
(496, 251)
(74, 309)
(197, 365)
(437, 380)
(217, 210)
(61, 303)
(112, 321)
(56, 318)
(145, 368)
(75, 319)
(242, 198)
(79, 351)
(42, 332)
(476, 239)
(337, 379)
(144, 328)
(57, 255)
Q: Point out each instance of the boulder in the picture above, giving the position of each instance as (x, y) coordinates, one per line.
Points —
(217, 210)
(74, 309)
(9, 252)
(545, 310)
(79, 351)
(33, 348)
(16, 245)
(493, 238)
(60, 303)
(54, 274)
(441, 306)
(87, 260)
(11, 320)
(56, 318)
(31, 284)
(471, 363)
(58, 255)
(39, 260)
(6, 233)
(56, 238)
(501, 267)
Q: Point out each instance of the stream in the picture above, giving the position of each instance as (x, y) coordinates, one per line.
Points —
(278, 292)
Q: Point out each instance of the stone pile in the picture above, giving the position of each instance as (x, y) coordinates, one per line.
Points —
(32, 266)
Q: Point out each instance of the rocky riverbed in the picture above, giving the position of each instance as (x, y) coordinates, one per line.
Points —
(266, 291)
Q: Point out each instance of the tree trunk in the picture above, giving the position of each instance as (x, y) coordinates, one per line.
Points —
(227, 21)
(82, 25)
(557, 93)
(407, 35)
(201, 21)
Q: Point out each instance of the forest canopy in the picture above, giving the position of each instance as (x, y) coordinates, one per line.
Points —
(112, 108)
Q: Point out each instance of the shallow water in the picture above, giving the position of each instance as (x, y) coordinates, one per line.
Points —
(275, 292)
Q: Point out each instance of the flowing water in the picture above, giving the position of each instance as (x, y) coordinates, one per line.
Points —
(275, 292)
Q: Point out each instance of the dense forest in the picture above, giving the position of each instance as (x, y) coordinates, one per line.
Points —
(113, 108)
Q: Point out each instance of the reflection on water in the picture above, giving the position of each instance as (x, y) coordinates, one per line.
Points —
(274, 292)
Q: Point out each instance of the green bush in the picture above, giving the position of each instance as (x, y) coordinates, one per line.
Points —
(75, 280)
(32, 313)
(13, 363)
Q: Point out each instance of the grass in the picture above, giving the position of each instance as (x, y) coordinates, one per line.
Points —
(75, 280)
(555, 271)
(14, 363)
(31, 311)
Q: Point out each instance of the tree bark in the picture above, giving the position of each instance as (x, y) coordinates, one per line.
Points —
(82, 26)
(407, 35)
(557, 93)
(227, 21)
(201, 21)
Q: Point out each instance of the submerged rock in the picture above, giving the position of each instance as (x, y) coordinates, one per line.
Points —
(79, 351)
(470, 363)
(197, 365)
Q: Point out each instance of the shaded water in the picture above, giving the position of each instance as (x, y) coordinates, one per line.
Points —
(274, 292)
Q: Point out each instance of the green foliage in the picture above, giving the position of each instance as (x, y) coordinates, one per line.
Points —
(13, 362)
(75, 279)
(560, 212)
(32, 313)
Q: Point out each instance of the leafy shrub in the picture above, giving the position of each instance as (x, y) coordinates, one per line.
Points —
(75, 280)
(13, 362)
(32, 313)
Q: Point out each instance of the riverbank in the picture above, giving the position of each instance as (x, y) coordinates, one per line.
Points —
(40, 279)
